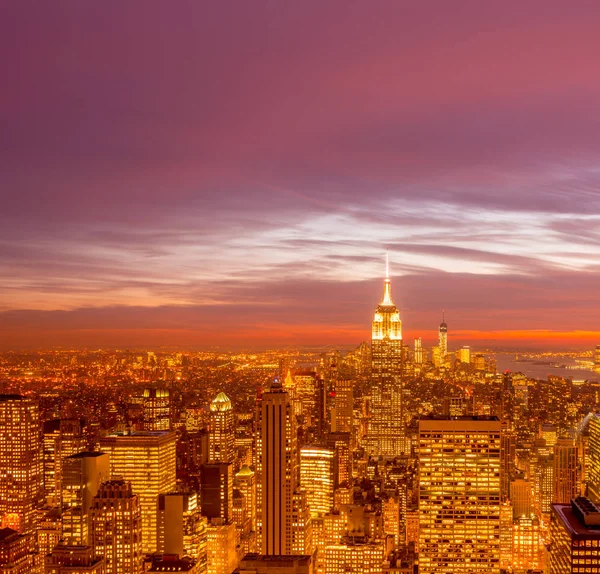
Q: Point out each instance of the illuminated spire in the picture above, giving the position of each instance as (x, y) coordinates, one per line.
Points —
(387, 289)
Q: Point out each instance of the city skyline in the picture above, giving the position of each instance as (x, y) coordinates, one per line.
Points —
(170, 170)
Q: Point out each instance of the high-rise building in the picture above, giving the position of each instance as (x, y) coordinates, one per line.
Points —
(62, 438)
(82, 475)
(597, 358)
(68, 559)
(386, 436)
(317, 477)
(156, 408)
(147, 460)
(245, 482)
(459, 495)
(220, 547)
(464, 355)
(566, 471)
(17, 555)
(222, 430)
(217, 490)
(443, 338)
(593, 462)
(342, 405)
(182, 528)
(574, 537)
(418, 350)
(21, 487)
(279, 472)
(116, 527)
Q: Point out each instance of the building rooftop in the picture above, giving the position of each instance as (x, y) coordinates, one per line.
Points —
(220, 403)
(87, 454)
(574, 522)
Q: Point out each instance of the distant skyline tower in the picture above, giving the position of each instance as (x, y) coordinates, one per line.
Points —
(21, 483)
(418, 350)
(221, 441)
(387, 425)
(443, 338)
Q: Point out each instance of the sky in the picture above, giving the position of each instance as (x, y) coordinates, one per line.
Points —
(203, 173)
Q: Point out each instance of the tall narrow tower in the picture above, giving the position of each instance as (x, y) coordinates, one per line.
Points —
(21, 487)
(443, 338)
(386, 430)
(221, 441)
(280, 471)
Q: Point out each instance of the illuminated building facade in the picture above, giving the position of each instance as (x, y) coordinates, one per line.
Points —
(156, 407)
(418, 351)
(566, 471)
(61, 438)
(147, 460)
(279, 472)
(245, 482)
(317, 477)
(217, 490)
(17, 554)
(356, 557)
(459, 495)
(220, 547)
(342, 405)
(443, 339)
(82, 475)
(593, 463)
(386, 436)
(290, 564)
(21, 487)
(67, 559)
(221, 442)
(182, 528)
(574, 538)
(116, 527)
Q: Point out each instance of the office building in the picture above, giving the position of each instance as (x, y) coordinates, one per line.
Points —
(317, 477)
(357, 557)
(221, 547)
(116, 527)
(182, 528)
(82, 475)
(221, 442)
(68, 559)
(566, 485)
(288, 564)
(156, 409)
(574, 537)
(459, 495)
(147, 460)
(278, 473)
(21, 486)
(386, 435)
(217, 490)
(17, 553)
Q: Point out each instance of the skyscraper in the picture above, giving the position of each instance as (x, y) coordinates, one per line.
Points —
(574, 537)
(279, 471)
(82, 475)
(147, 460)
(443, 339)
(221, 442)
(21, 488)
(593, 464)
(217, 490)
(317, 477)
(386, 433)
(116, 527)
(156, 406)
(566, 471)
(459, 495)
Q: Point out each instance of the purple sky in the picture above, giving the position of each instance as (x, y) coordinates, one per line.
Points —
(231, 172)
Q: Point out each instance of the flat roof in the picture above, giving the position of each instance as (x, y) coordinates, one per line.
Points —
(577, 529)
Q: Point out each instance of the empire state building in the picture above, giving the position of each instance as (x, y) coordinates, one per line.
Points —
(386, 435)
